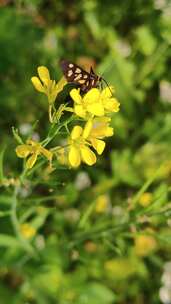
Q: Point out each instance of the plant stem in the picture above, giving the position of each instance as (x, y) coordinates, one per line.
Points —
(16, 225)
(145, 187)
(50, 137)
(86, 215)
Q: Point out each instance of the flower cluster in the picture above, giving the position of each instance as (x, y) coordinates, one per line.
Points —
(90, 115)
(94, 102)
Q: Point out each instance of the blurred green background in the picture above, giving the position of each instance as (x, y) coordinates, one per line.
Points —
(95, 240)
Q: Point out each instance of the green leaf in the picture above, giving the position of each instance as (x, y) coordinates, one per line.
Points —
(96, 293)
(6, 199)
(123, 169)
(8, 241)
(145, 40)
(4, 213)
(1, 164)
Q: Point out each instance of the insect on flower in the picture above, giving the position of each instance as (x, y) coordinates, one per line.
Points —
(75, 74)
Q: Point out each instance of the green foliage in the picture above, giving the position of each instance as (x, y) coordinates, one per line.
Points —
(78, 236)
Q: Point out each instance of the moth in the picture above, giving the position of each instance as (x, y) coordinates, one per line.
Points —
(75, 74)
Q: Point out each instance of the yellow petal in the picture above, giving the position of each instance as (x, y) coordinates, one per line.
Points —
(98, 145)
(107, 92)
(100, 127)
(37, 84)
(44, 74)
(91, 96)
(56, 88)
(31, 161)
(61, 83)
(74, 157)
(88, 156)
(48, 154)
(96, 109)
(102, 203)
(27, 230)
(109, 131)
(76, 132)
(23, 151)
(87, 128)
(102, 120)
(75, 95)
(79, 110)
(112, 105)
(32, 142)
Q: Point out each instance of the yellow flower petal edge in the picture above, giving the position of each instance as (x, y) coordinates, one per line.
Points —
(98, 145)
(43, 74)
(91, 96)
(31, 161)
(37, 84)
(76, 132)
(60, 85)
(23, 151)
(74, 157)
(88, 156)
(75, 95)
(87, 128)
(80, 111)
(107, 92)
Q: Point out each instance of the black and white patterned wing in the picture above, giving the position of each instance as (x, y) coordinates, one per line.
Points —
(74, 73)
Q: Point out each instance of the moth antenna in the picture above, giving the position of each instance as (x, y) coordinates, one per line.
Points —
(107, 85)
(91, 71)
(108, 68)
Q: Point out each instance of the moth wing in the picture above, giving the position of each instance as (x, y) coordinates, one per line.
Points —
(73, 72)
(68, 70)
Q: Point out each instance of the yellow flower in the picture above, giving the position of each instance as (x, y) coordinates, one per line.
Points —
(145, 245)
(27, 230)
(81, 140)
(94, 102)
(78, 148)
(34, 149)
(47, 86)
(102, 203)
(145, 199)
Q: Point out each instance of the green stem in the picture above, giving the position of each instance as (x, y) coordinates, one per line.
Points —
(145, 187)
(50, 113)
(86, 215)
(50, 137)
(152, 61)
(98, 233)
(1, 164)
(16, 225)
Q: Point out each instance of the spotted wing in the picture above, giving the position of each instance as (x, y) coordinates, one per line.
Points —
(74, 73)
